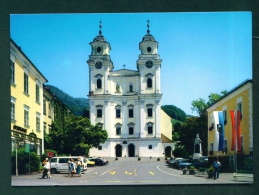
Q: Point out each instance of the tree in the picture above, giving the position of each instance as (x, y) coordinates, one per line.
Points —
(196, 124)
(77, 137)
(174, 112)
(23, 161)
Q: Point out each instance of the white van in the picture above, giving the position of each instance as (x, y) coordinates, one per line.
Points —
(60, 163)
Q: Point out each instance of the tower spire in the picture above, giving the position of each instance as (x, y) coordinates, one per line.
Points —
(100, 25)
(148, 27)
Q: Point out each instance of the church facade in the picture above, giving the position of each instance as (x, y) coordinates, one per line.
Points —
(127, 103)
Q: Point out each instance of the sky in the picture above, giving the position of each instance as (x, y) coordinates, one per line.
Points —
(201, 52)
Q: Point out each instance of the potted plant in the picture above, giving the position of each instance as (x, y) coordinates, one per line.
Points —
(139, 158)
(116, 158)
(192, 170)
(158, 159)
(211, 172)
(185, 170)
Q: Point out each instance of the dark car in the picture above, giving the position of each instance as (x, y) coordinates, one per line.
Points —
(178, 162)
(99, 161)
(169, 159)
(200, 163)
(171, 162)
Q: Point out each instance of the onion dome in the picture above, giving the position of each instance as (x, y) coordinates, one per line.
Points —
(99, 37)
(148, 36)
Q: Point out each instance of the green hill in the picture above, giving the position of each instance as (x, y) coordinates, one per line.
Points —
(77, 105)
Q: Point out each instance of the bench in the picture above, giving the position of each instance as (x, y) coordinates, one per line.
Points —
(202, 171)
(243, 173)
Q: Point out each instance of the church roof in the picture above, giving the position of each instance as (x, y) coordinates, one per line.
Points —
(165, 139)
(148, 37)
(99, 38)
(124, 72)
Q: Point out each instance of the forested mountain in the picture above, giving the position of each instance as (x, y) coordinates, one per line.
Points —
(77, 105)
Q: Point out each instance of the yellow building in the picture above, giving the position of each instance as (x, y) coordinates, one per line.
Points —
(26, 101)
(238, 99)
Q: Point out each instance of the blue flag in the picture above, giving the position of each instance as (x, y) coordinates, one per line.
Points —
(221, 131)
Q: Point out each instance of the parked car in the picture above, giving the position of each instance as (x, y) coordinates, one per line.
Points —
(177, 162)
(60, 163)
(90, 163)
(168, 160)
(200, 163)
(171, 162)
(99, 161)
(183, 165)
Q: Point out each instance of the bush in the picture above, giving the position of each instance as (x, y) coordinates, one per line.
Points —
(23, 162)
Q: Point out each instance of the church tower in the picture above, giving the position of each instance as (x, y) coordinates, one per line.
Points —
(99, 64)
(126, 103)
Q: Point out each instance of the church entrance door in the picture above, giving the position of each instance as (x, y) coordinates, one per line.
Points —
(118, 150)
(131, 150)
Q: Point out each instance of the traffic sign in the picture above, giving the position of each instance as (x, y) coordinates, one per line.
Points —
(50, 154)
(27, 148)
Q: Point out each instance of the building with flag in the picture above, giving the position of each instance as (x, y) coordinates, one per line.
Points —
(230, 122)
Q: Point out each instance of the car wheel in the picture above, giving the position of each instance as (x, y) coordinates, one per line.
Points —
(54, 171)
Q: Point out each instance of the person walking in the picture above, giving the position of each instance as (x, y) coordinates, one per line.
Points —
(216, 166)
(78, 168)
(72, 167)
(46, 166)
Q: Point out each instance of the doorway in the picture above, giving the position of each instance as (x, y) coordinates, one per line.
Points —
(131, 150)
(168, 150)
(118, 150)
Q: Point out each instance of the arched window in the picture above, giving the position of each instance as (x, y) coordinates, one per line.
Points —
(131, 115)
(99, 83)
(118, 129)
(131, 128)
(117, 88)
(118, 111)
(149, 83)
(130, 88)
(149, 110)
(99, 110)
(150, 128)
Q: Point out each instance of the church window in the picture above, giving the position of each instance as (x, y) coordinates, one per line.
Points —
(118, 129)
(99, 81)
(150, 128)
(99, 111)
(149, 83)
(118, 111)
(149, 110)
(131, 111)
(130, 88)
(117, 88)
(131, 128)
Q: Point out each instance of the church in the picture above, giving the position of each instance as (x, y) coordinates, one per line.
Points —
(127, 103)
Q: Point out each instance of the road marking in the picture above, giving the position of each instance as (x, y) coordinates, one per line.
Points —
(112, 173)
(108, 171)
(128, 173)
(151, 173)
(135, 173)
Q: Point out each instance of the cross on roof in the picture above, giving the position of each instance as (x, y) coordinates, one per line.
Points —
(124, 66)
